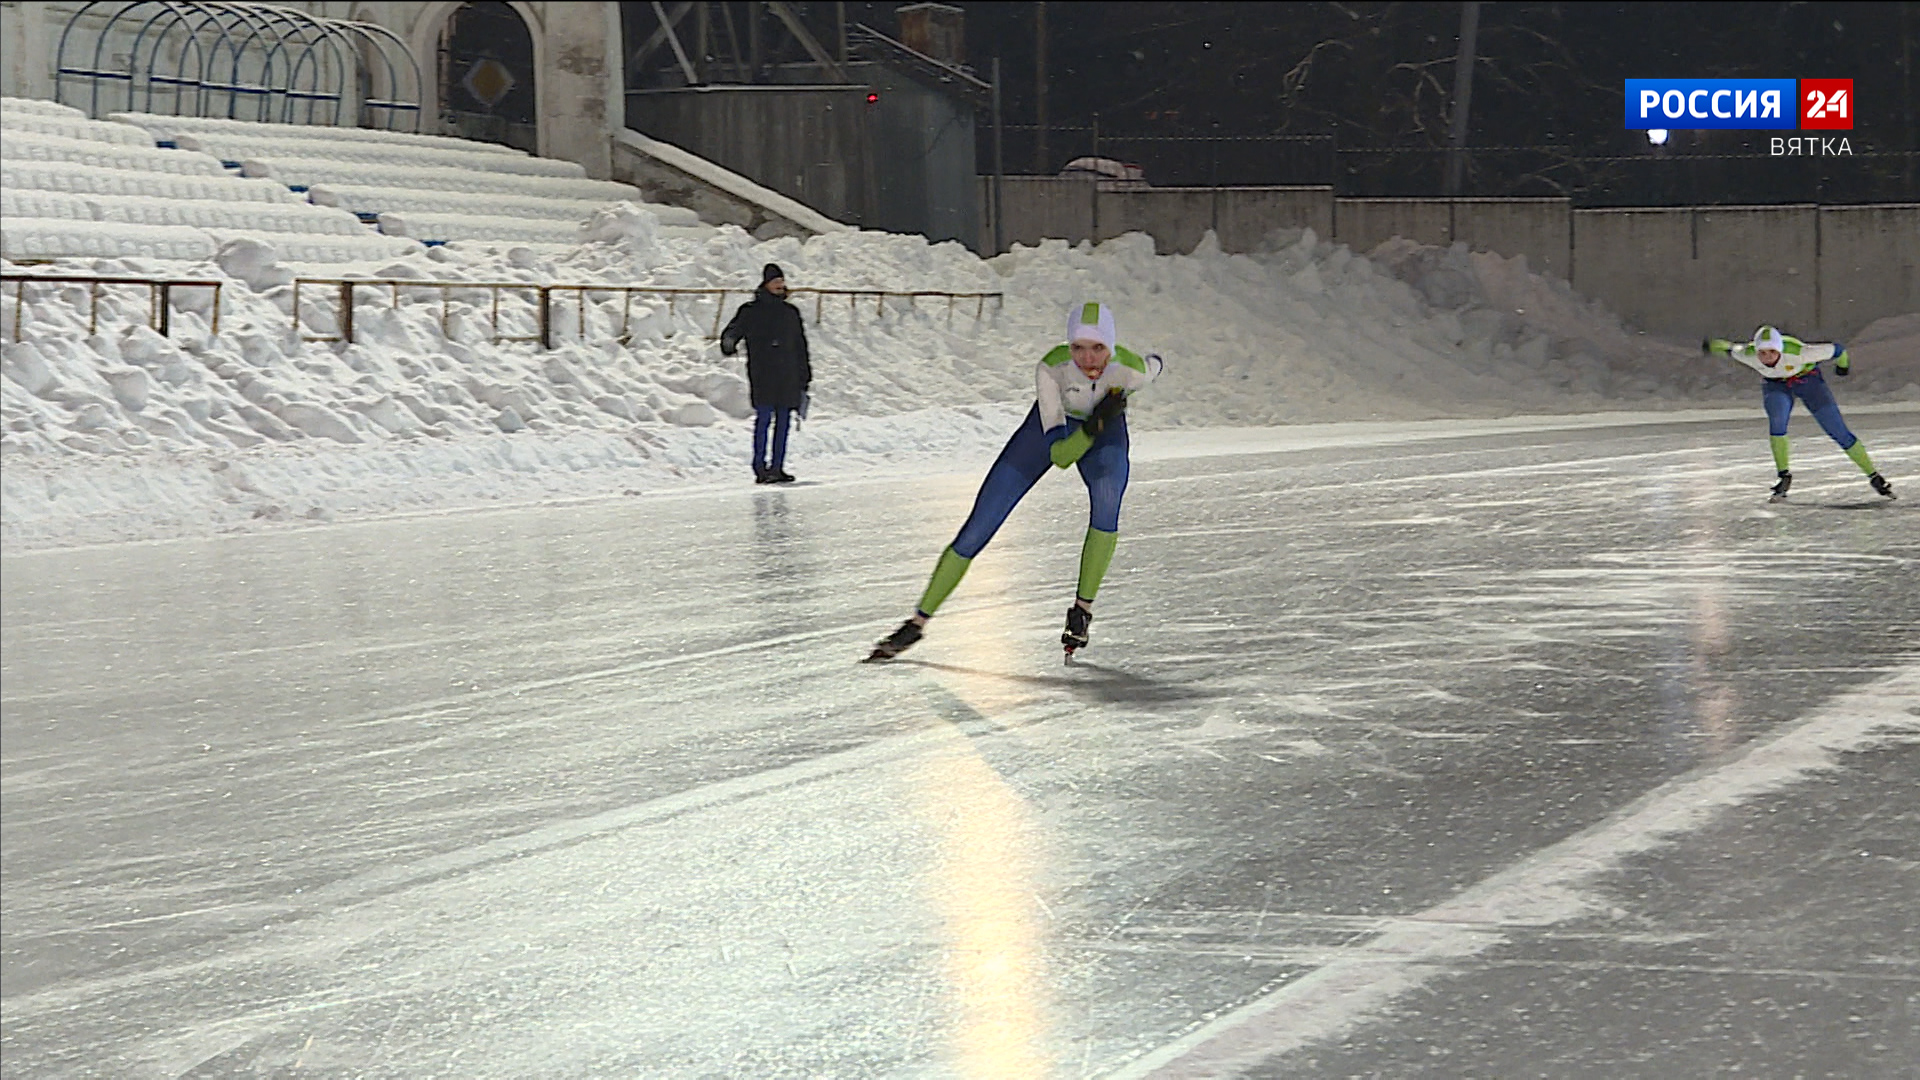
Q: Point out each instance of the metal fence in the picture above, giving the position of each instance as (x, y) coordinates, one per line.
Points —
(543, 300)
(159, 297)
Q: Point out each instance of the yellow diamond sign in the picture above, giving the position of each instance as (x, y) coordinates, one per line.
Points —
(489, 81)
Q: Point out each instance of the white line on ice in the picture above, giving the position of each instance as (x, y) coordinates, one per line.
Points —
(1541, 890)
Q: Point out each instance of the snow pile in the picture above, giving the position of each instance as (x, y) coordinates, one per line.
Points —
(123, 433)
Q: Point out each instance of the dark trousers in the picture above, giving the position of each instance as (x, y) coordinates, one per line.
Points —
(765, 416)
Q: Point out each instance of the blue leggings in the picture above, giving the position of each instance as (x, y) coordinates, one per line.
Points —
(1025, 461)
(763, 416)
(1778, 395)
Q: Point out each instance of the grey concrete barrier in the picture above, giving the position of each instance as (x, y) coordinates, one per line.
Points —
(1869, 265)
(1682, 272)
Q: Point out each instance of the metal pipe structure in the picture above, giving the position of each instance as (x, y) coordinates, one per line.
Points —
(1462, 97)
(250, 52)
(999, 166)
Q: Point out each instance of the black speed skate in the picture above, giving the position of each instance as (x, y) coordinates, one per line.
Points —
(1880, 485)
(896, 643)
(1780, 489)
(1075, 635)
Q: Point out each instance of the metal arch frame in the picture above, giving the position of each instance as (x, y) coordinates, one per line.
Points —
(357, 40)
(226, 17)
(264, 23)
(179, 13)
(380, 37)
(94, 73)
(179, 80)
(286, 41)
(313, 94)
(299, 24)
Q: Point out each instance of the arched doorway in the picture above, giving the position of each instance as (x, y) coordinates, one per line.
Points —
(487, 74)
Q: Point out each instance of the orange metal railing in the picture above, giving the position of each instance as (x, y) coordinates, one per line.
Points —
(345, 293)
(159, 297)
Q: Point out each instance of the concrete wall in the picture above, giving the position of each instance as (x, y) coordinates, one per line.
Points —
(1246, 216)
(810, 143)
(24, 35)
(1540, 229)
(1639, 262)
(1718, 271)
(1536, 228)
(1044, 208)
(1681, 272)
(1038, 208)
(1363, 224)
(1761, 264)
(1176, 218)
(1869, 265)
(581, 69)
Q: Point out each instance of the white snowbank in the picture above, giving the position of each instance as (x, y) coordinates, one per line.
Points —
(124, 434)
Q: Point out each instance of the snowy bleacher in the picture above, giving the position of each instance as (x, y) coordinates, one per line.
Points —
(24, 145)
(178, 187)
(236, 148)
(78, 128)
(170, 127)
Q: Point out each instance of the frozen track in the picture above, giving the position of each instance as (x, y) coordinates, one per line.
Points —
(1544, 754)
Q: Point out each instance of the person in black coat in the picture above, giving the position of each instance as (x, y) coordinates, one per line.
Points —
(778, 368)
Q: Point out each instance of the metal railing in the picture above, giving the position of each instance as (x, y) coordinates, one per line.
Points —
(159, 297)
(345, 290)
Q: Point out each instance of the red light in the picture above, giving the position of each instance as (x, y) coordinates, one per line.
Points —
(871, 98)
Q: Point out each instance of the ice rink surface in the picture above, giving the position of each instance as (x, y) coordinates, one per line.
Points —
(1554, 754)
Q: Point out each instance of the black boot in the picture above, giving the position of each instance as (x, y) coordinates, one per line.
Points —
(897, 642)
(1786, 481)
(1075, 635)
(779, 476)
(762, 476)
(1880, 485)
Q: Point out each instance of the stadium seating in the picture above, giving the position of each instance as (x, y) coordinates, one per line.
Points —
(96, 180)
(206, 213)
(177, 187)
(171, 127)
(79, 127)
(241, 147)
(47, 238)
(16, 106)
(370, 200)
(308, 171)
(26, 145)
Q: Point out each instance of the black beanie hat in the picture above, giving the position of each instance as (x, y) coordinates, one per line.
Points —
(771, 271)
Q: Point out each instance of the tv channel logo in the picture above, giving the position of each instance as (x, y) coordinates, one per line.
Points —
(1826, 104)
(1739, 104)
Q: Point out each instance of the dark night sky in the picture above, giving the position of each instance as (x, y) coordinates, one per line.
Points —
(1547, 75)
(1379, 78)
(1384, 72)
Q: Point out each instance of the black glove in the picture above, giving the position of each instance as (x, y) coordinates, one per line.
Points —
(1706, 345)
(1105, 410)
(1842, 371)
